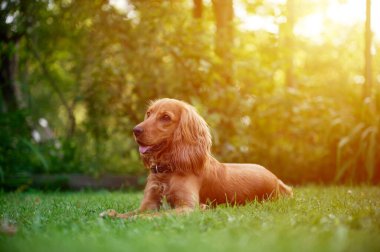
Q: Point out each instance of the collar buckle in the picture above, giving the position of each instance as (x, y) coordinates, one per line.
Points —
(156, 168)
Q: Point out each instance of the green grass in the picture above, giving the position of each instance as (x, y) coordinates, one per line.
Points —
(316, 219)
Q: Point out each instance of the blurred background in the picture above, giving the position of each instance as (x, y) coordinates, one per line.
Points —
(290, 84)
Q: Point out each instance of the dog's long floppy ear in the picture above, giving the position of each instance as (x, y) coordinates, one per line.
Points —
(191, 142)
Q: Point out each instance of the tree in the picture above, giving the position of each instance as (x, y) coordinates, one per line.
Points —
(289, 44)
(12, 30)
(8, 66)
(198, 9)
(223, 11)
(367, 54)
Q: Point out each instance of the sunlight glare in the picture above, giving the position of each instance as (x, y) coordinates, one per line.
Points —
(253, 22)
(127, 8)
(120, 4)
(311, 27)
(346, 13)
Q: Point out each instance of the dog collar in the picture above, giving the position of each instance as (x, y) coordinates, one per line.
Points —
(161, 168)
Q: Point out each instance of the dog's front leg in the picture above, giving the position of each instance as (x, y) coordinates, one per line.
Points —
(184, 193)
(152, 201)
(183, 197)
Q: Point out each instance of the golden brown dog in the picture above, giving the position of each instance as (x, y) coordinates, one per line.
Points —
(174, 143)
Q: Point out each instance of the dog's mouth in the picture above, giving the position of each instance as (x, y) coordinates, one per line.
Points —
(145, 149)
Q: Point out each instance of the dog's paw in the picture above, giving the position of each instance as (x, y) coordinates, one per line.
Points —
(108, 213)
(204, 207)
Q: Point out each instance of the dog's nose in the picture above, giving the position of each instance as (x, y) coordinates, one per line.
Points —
(138, 130)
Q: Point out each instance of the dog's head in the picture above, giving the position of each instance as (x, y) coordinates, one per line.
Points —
(174, 131)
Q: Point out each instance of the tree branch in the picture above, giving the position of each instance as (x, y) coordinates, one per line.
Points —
(45, 70)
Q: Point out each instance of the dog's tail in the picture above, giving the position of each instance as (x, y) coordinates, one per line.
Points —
(284, 190)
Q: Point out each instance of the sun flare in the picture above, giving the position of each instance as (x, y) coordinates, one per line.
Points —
(312, 26)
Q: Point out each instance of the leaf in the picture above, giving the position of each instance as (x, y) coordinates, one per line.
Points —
(343, 166)
(38, 154)
(343, 142)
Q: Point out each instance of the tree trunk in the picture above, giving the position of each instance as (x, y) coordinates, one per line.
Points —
(10, 91)
(367, 89)
(289, 44)
(198, 9)
(44, 68)
(223, 11)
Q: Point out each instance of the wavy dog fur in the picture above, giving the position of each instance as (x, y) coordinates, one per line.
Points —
(188, 147)
(173, 134)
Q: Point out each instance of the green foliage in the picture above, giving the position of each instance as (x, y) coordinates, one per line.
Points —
(15, 154)
(357, 151)
(90, 70)
(316, 219)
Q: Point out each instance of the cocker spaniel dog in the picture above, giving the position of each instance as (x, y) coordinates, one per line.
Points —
(174, 143)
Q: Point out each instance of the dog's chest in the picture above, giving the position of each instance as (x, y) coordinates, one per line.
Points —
(162, 185)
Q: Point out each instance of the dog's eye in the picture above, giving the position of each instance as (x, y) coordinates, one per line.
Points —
(165, 118)
(147, 114)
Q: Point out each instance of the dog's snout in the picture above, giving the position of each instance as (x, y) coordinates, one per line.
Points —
(138, 130)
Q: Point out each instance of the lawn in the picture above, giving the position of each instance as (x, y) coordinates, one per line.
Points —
(316, 219)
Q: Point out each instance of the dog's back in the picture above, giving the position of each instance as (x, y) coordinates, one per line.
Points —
(239, 183)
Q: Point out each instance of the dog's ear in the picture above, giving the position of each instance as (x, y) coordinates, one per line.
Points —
(191, 142)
